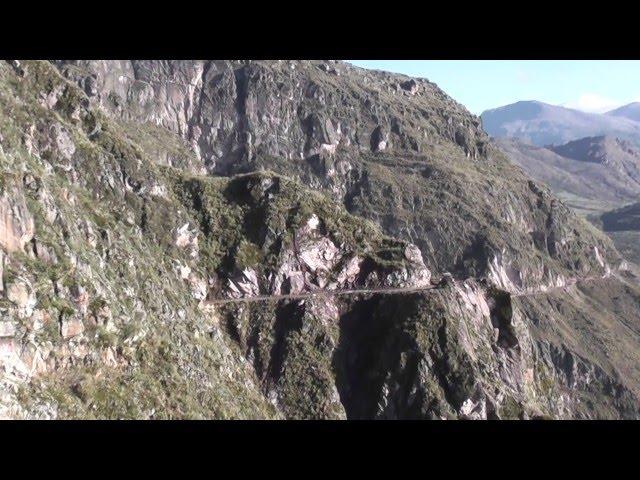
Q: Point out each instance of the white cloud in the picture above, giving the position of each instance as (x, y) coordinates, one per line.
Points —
(591, 102)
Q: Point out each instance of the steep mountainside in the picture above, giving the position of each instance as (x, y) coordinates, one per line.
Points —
(542, 124)
(393, 149)
(257, 240)
(593, 175)
(618, 155)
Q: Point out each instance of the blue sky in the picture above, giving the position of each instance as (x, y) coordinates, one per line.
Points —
(589, 85)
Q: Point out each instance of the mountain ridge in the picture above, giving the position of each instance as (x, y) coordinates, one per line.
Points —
(543, 124)
(630, 111)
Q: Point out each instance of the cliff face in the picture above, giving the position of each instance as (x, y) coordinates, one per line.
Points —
(458, 351)
(231, 112)
(132, 191)
(395, 150)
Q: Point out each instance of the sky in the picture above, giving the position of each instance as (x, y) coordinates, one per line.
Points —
(588, 85)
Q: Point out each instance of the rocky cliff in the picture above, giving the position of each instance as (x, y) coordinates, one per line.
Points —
(393, 149)
(144, 204)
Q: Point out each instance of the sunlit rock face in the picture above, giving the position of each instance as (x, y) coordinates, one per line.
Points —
(144, 204)
(393, 149)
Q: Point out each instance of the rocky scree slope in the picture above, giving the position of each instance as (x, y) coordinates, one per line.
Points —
(112, 239)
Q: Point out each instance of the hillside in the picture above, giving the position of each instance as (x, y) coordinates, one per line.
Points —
(367, 137)
(136, 195)
(623, 226)
(626, 218)
(595, 176)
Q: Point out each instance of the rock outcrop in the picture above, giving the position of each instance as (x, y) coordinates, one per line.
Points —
(231, 112)
(16, 223)
(460, 351)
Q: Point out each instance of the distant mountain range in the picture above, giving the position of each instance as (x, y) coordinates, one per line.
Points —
(592, 174)
(631, 111)
(542, 124)
(598, 176)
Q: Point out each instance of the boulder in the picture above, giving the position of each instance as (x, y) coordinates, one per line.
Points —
(21, 294)
(186, 239)
(71, 327)
(379, 139)
(410, 86)
(244, 284)
(294, 283)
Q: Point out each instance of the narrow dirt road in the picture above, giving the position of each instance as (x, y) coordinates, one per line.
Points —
(384, 291)
(319, 293)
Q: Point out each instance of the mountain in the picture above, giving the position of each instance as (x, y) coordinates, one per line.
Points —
(630, 111)
(290, 239)
(366, 137)
(592, 174)
(542, 124)
(618, 155)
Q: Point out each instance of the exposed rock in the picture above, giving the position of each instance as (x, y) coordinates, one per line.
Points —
(199, 287)
(291, 112)
(7, 329)
(80, 298)
(43, 252)
(71, 327)
(349, 272)
(102, 315)
(132, 237)
(21, 293)
(379, 139)
(184, 238)
(410, 86)
(244, 284)
(16, 223)
(17, 68)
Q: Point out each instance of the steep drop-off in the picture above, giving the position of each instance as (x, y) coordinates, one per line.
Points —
(136, 194)
(393, 149)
